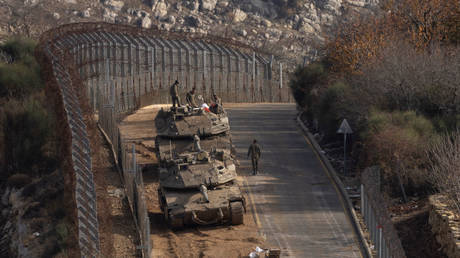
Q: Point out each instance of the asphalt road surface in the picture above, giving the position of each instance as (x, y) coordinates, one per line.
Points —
(297, 207)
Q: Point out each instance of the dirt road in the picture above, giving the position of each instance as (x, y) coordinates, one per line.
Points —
(117, 230)
(297, 207)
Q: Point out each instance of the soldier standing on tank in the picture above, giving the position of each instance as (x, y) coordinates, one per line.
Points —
(217, 100)
(254, 152)
(174, 91)
(190, 97)
(217, 105)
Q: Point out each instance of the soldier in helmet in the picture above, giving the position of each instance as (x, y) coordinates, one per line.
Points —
(216, 107)
(217, 100)
(174, 91)
(254, 152)
(190, 97)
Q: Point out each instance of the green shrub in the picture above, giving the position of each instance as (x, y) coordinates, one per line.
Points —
(19, 80)
(22, 77)
(27, 128)
(397, 142)
(305, 84)
(20, 49)
(331, 109)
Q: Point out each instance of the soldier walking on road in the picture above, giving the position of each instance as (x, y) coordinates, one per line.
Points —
(174, 91)
(254, 152)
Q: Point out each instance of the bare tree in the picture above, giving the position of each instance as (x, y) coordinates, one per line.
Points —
(445, 164)
(406, 79)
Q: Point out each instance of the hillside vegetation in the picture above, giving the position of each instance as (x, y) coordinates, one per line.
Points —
(35, 209)
(394, 76)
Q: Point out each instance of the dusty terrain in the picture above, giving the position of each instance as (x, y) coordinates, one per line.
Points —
(211, 241)
(411, 222)
(117, 231)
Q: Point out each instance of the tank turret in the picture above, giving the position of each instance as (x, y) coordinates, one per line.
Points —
(185, 121)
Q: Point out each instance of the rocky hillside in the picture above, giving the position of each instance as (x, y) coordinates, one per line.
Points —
(289, 26)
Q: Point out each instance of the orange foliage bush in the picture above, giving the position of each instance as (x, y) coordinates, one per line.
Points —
(425, 21)
(420, 22)
(358, 42)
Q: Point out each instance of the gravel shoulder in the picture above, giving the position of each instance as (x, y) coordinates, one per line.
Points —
(117, 231)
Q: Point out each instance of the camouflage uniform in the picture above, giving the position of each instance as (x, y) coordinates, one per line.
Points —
(254, 152)
(217, 100)
(217, 109)
(190, 97)
(174, 91)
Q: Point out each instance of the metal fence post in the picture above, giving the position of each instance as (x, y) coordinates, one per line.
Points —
(362, 200)
(134, 159)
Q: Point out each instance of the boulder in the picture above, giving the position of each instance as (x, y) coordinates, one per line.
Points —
(193, 5)
(327, 19)
(85, 13)
(307, 28)
(261, 7)
(178, 7)
(114, 5)
(238, 15)
(56, 16)
(208, 5)
(109, 15)
(31, 2)
(160, 10)
(171, 19)
(192, 21)
(146, 23)
(222, 4)
(266, 23)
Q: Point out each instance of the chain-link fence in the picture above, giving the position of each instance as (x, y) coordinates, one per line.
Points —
(76, 149)
(121, 68)
(376, 217)
(134, 189)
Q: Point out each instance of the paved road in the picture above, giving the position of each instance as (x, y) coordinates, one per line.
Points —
(297, 206)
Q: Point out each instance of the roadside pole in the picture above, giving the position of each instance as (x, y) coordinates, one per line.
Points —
(344, 129)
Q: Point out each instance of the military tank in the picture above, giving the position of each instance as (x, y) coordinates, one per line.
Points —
(184, 121)
(197, 169)
(200, 188)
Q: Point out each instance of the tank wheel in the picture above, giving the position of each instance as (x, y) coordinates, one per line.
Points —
(236, 210)
(176, 222)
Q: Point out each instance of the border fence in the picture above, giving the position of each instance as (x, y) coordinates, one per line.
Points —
(376, 217)
(116, 69)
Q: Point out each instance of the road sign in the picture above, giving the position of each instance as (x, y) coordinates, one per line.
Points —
(345, 127)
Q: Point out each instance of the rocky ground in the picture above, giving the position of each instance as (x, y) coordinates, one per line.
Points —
(416, 234)
(266, 24)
